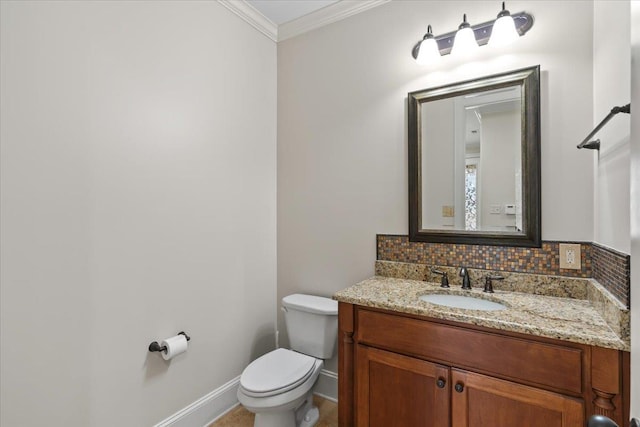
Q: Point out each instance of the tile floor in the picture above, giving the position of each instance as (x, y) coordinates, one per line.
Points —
(240, 417)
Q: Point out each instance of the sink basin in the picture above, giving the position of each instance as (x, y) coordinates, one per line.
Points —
(463, 301)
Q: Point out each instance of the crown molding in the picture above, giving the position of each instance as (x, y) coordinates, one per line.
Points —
(254, 18)
(325, 16)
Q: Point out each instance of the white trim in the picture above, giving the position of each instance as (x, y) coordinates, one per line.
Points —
(210, 407)
(254, 18)
(217, 403)
(327, 385)
(321, 17)
(325, 16)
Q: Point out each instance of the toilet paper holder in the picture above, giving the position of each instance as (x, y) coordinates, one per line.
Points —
(154, 346)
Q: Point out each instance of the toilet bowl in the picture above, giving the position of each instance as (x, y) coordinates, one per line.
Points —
(278, 386)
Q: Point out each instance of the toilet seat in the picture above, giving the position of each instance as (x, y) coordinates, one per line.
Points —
(276, 372)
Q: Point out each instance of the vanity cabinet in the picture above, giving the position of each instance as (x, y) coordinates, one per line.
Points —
(480, 400)
(399, 369)
(396, 390)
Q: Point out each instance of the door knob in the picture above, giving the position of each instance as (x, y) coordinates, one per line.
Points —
(459, 387)
(441, 383)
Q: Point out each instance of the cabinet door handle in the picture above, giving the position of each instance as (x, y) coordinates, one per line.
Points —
(441, 383)
(459, 387)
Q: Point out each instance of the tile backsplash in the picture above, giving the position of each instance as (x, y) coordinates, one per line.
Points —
(612, 270)
(608, 267)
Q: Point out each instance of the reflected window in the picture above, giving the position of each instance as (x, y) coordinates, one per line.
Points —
(471, 197)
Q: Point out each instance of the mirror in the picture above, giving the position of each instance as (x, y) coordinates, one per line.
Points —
(474, 161)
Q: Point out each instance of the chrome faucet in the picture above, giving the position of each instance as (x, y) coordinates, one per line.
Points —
(466, 282)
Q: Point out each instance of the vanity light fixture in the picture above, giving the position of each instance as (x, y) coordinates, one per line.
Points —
(428, 50)
(482, 33)
(464, 43)
(504, 29)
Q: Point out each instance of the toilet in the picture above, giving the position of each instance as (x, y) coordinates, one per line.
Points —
(278, 386)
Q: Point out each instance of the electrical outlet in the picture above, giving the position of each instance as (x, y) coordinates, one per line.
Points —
(570, 256)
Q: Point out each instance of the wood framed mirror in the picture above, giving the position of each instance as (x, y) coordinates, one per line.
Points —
(474, 161)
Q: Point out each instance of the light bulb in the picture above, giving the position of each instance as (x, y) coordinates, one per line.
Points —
(428, 52)
(465, 41)
(504, 29)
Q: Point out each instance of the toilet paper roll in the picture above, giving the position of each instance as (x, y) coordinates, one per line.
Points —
(175, 345)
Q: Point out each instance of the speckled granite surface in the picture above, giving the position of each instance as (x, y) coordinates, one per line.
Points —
(538, 284)
(571, 319)
(610, 308)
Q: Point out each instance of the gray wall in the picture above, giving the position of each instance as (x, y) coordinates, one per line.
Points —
(437, 163)
(342, 167)
(138, 200)
(611, 87)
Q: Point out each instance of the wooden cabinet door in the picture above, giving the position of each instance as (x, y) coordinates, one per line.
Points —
(393, 390)
(478, 400)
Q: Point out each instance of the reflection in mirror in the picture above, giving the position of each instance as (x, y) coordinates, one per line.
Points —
(474, 161)
(474, 183)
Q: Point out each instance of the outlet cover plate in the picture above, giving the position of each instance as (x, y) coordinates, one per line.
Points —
(570, 256)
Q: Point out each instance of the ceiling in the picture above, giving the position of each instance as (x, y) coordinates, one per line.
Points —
(281, 11)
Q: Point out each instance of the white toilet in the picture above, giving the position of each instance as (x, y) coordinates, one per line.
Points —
(277, 387)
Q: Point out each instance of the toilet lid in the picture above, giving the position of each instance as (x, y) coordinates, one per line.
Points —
(311, 304)
(279, 370)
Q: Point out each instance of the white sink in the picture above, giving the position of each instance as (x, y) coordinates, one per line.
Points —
(462, 301)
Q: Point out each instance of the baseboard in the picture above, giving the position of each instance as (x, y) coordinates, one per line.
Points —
(205, 410)
(208, 408)
(327, 385)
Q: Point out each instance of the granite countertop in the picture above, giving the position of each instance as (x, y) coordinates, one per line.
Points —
(564, 318)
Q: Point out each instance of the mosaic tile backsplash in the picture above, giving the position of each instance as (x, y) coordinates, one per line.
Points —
(608, 267)
(612, 270)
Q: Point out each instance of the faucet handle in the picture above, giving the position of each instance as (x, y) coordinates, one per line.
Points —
(444, 282)
(488, 282)
(466, 281)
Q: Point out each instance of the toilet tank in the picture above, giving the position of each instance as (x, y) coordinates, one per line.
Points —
(312, 324)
